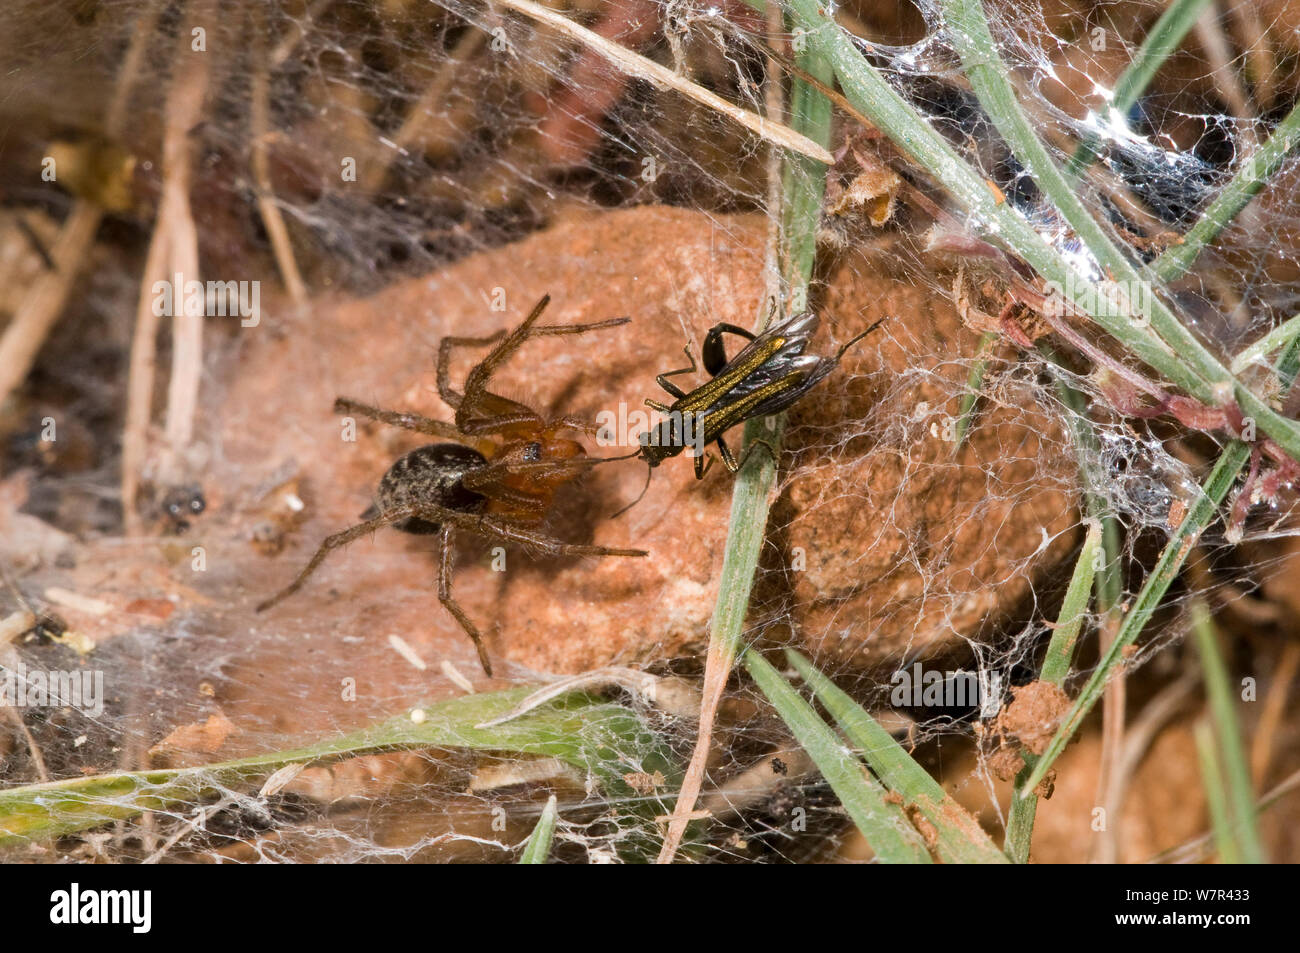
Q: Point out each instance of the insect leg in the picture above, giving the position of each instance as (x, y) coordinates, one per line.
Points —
(714, 351)
(856, 338)
(672, 388)
(728, 460)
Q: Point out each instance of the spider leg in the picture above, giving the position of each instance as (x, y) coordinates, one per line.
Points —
(491, 474)
(509, 532)
(570, 422)
(489, 481)
(480, 411)
(552, 330)
(475, 402)
(445, 565)
(332, 543)
(449, 395)
(410, 421)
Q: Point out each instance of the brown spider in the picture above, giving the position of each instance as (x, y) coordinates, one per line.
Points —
(499, 490)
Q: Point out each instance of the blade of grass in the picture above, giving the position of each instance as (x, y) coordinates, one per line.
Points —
(1183, 360)
(1056, 666)
(959, 838)
(882, 823)
(1216, 799)
(1255, 172)
(1165, 36)
(601, 739)
(1244, 829)
(1266, 345)
(804, 184)
(1148, 599)
(538, 847)
(1216, 486)
(1060, 648)
(974, 383)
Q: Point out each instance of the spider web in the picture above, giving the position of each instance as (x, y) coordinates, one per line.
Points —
(495, 160)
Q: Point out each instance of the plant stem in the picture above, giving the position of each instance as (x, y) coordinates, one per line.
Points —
(1254, 173)
(1236, 770)
(1056, 666)
(1180, 357)
(1161, 40)
(804, 186)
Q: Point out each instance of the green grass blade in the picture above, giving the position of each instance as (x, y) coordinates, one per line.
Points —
(959, 838)
(974, 383)
(1235, 766)
(1180, 357)
(1060, 648)
(804, 188)
(1255, 172)
(881, 822)
(1167, 567)
(1216, 799)
(1056, 666)
(603, 740)
(1164, 37)
(538, 847)
(1266, 345)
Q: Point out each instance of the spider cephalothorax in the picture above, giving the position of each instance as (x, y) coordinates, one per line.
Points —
(498, 488)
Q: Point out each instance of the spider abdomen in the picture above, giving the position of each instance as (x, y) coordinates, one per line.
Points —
(433, 474)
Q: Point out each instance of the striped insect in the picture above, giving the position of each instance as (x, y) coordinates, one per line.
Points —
(769, 374)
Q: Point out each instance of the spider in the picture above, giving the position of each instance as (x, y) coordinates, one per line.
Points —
(499, 488)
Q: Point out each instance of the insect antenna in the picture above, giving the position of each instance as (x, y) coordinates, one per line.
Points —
(855, 339)
(649, 472)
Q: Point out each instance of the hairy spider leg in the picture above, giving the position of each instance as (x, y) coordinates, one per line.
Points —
(410, 421)
(474, 523)
(478, 410)
(331, 543)
(446, 556)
